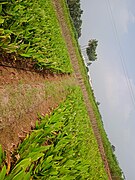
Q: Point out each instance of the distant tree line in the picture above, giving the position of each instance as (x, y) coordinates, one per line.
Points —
(75, 12)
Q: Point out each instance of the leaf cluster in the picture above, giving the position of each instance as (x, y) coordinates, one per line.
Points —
(31, 30)
(62, 146)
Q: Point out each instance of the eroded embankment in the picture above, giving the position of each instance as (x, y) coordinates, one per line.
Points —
(72, 52)
(23, 94)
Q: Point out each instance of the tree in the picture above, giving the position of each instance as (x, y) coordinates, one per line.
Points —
(98, 103)
(113, 148)
(75, 12)
(91, 49)
(89, 63)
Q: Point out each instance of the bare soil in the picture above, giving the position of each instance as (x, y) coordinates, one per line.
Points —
(23, 94)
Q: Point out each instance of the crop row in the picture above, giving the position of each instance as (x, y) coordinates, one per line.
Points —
(112, 160)
(30, 30)
(62, 146)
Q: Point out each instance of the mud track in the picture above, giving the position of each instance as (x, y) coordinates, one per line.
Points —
(72, 52)
(23, 94)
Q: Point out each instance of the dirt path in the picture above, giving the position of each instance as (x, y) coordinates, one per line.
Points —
(74, 60)
(23, 94)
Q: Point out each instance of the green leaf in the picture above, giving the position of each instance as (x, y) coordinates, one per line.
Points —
(23, 164)
(70, 163)
(1, 31)
(35, 156)
(3, 173)
(57, 158)
(27, 176)
(49, 159)
(3, 2)
(26, 55)
(19, 176)
(1, 20)
(67, 177)
(54, 178)
(1, 154)
(42, 149)
(54, 172)
(0, 8)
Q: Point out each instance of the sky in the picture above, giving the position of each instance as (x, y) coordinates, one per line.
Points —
(112, 23)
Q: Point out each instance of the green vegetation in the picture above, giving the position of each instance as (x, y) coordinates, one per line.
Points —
(112, 160)
(75, 12)
(62, 146)
(91, 49)
(30, 30)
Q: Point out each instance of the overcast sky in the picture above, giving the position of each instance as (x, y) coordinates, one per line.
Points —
(113, 88)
